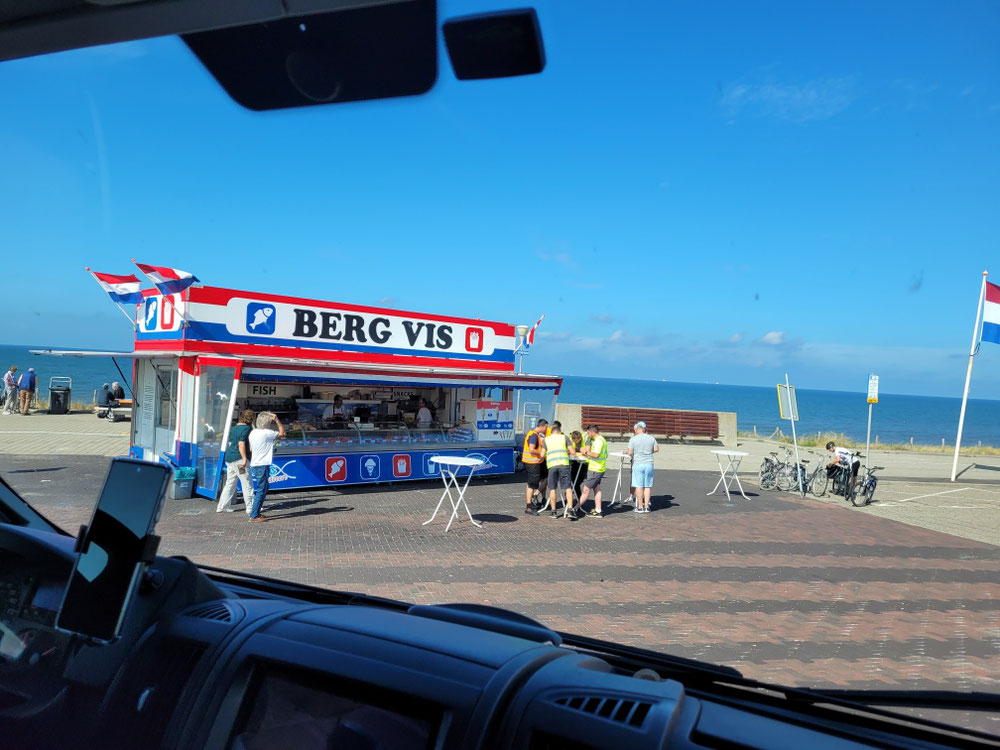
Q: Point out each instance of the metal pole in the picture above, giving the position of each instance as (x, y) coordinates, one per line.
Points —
(968, 377)
(795, 441)
(868, 440)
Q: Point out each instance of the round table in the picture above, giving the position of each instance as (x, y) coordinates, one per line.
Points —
(450, 466)
(728, 472)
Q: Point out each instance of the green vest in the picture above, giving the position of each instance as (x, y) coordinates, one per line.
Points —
(600, 445)
(555, 450)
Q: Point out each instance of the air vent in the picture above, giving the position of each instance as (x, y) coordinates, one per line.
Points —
(620, 710)
(219, 611)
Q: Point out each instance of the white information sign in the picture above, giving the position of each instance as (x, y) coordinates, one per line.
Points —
(873, 389)
(787, 406)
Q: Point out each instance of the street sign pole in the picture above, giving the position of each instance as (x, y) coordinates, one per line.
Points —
(795, 441)
(872, 399)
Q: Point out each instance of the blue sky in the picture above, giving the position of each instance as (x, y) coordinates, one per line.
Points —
(690, 191)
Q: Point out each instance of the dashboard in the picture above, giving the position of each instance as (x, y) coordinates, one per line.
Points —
(223, 665)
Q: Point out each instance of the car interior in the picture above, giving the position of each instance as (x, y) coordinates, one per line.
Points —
(206, 657)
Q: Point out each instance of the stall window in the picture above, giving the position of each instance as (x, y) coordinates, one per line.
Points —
(166, 389)
(492, 394)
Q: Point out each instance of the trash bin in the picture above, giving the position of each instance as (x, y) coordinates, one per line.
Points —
(59, 399)
(182, 484)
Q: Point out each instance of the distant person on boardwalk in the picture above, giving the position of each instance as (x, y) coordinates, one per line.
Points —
(261, 442)
(533, 458)
(596, 449)
(104, 396)
(558, 450)
(237, 457)
(26, 385)
(117, 393)
(842, 458)
(9, 390)
(641, 448)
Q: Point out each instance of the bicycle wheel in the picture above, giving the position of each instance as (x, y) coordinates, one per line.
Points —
(870, 489)
(785, 478)
(854, 492)
(765, 476)
(818, 483)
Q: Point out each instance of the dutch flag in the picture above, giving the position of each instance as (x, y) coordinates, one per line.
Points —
(991, 314)
(121, 289)
(167, 280)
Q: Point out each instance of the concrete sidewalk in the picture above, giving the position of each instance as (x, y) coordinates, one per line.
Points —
(78, 433)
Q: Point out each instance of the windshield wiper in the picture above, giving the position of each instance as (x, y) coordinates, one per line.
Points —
(950, 699)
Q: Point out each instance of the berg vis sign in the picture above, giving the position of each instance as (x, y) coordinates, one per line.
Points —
(233, 317)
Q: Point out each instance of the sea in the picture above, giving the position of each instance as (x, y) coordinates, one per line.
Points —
(895, 419)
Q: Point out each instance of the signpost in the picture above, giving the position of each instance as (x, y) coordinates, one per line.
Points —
(872, 399)
(788, 408)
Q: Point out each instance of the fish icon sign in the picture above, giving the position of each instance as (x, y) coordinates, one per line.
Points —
(260, 318)
(336, 469)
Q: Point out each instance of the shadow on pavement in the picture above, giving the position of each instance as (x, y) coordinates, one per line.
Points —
(493, 518)
(309, 512)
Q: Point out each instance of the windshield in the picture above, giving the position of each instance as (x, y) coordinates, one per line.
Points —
(695, 203)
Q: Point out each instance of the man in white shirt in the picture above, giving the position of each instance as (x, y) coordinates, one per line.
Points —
(10, 390)
(424, 417)
(335, 412)
(261, 451)
(842, 459)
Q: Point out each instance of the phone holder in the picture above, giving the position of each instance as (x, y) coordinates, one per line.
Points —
(150, 543)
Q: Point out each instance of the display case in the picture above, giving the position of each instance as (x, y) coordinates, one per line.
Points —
(303, 439)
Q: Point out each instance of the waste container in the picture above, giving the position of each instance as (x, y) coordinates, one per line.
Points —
(182, 484)
(60, 391)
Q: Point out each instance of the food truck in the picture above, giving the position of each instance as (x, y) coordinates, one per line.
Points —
(205, 354)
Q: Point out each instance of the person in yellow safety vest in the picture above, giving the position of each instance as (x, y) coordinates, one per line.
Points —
(533, 458)
(558, 450)
(578, 472)
(597, 452)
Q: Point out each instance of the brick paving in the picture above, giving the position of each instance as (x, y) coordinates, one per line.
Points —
(786, 589)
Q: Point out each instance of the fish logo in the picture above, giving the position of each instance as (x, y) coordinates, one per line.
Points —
(261, 318)
(336, 469)
(279, 472)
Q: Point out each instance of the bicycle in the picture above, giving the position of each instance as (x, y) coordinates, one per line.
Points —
(787, 478)
(767, 474)
(817, 482)
(863, 489)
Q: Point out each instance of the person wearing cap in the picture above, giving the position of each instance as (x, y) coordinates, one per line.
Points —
(641, 448)
(26, 385)
(595, 449)
(10, 390)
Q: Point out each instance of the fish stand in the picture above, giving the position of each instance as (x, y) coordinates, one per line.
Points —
(365, 394)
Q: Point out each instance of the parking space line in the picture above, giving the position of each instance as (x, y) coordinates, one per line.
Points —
(933, 494)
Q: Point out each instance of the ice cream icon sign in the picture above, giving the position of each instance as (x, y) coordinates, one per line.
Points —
(370, 466)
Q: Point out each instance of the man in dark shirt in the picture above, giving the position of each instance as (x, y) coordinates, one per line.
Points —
(104, 396)
(237, 456)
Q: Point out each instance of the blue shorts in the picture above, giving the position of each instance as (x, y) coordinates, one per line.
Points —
(642, 475)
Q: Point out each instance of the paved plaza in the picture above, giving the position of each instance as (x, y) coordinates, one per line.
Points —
(800, 591)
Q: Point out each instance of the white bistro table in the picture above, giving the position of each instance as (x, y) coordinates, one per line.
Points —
(729, 471)
(449, 465)
(619, 490)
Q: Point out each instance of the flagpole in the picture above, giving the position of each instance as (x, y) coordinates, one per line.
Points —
(131, 320)
(968, 377)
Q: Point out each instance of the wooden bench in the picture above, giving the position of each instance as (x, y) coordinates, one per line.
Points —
(668, 423)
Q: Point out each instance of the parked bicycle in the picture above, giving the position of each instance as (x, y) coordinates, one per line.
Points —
(862, 489)
(818, 480)
(767, 474)
(787, 477)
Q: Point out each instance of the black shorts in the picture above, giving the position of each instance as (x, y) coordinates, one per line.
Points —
(534, 475)
(593, 479)
(559, 478)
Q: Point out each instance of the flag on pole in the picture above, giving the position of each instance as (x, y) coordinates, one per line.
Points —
(530, 338)
(991, 314)
(167, 280)
(121, 289)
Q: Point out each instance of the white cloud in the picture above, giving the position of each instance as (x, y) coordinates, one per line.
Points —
(735, 338)
(772, 338)
(818, 99)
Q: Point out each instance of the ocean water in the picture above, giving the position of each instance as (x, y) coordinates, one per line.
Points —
(895, 418)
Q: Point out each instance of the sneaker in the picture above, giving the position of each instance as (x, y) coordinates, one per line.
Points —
(646, 509)
(594, 514)
(637, 509)
(530, 511)
(553, 514)
(225, 510)
(259, 519)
